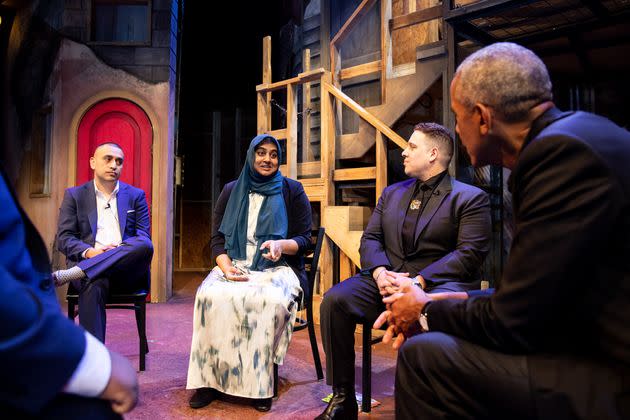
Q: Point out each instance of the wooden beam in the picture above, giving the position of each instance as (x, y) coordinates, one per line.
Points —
(307, 152)
(327, 140)
(360, 70)
(314, 189)
(360, 11)
(363, 113)
(306, 77)
(292, 131)
(346, 266)
(279, 134)
(353, 174)
(416, 17)
(381, 164)
(306, 169)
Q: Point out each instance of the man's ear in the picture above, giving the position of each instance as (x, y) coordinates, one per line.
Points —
(433, 154)
(484, 113)
(92, 163)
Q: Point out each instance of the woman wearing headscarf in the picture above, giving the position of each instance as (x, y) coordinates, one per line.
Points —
(245, 308)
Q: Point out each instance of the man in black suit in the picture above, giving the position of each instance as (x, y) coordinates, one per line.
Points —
(430, 230)
(104, 232)
(553, 340)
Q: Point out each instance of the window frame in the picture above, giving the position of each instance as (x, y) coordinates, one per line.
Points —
(147, 43)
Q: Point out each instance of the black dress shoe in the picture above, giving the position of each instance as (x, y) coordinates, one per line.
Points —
(202, 397)
(262, 404)
(342, 405)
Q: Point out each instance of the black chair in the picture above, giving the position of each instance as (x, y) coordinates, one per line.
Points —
(136, 301)
(311, 262)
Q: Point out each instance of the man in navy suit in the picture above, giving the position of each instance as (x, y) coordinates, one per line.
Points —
(553, 340)
(50, 368)
(104, 232)
(430, 230)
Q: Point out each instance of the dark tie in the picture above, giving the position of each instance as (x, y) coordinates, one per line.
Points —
(417, 203)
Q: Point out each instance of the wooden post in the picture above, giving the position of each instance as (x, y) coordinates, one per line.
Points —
(216, 156)
(327, 157)
(264, 99)
(307, 153)
(346, 266)
(386, 46)
(292, 122)
(324, 34)
(381, 164)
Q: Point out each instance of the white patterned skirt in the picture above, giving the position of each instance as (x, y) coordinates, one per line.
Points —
(241, 329)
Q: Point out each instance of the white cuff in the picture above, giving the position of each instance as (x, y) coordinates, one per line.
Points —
(93, 371)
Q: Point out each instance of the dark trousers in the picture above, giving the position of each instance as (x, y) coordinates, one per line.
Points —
(351, 302)
(440, 376)
(67, 407)
(120, 270)
(445, 377)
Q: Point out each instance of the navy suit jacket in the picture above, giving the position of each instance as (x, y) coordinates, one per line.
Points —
(39, 347)
(564, 298)
(300, 221)
(452, 238)
(78, 216)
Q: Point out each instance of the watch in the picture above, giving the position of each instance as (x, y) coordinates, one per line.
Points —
(423, 319)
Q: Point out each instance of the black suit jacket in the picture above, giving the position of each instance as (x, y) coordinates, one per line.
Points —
(565, 292)
(452, 238)
(300, 221)
(78, 216)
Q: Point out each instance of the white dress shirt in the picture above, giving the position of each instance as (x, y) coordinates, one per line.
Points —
(107, 225)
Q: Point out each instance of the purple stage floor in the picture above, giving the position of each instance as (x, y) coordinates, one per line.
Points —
(163, 393)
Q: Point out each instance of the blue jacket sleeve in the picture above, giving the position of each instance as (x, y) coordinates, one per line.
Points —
(39, 347)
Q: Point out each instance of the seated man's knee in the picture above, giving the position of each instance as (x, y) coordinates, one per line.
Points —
(427, 350)
(333, 299)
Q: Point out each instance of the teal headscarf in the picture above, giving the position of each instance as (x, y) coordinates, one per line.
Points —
(273, 222)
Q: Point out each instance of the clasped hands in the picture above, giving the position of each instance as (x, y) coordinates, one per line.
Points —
(275, 248)
(404, 302)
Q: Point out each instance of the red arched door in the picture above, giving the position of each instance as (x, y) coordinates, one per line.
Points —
(123, 122)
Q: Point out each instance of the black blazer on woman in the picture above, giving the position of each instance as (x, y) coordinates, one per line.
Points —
(300, 220)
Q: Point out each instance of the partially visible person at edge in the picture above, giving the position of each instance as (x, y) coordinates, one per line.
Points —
(50, 367)
(553, 340)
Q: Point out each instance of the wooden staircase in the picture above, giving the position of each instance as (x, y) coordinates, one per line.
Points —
(324, 144)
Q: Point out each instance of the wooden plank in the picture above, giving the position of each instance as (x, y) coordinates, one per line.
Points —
(359, 12)
(416, 17)
(360, 70)
(386, 47)
(346, 266)
(292, 131)
(301, 78)
(353, 174)
(376, 123)
(279, 134)
(305, 169)
(327, 140)
(381, 164)
(307, 152)
(309, 168)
